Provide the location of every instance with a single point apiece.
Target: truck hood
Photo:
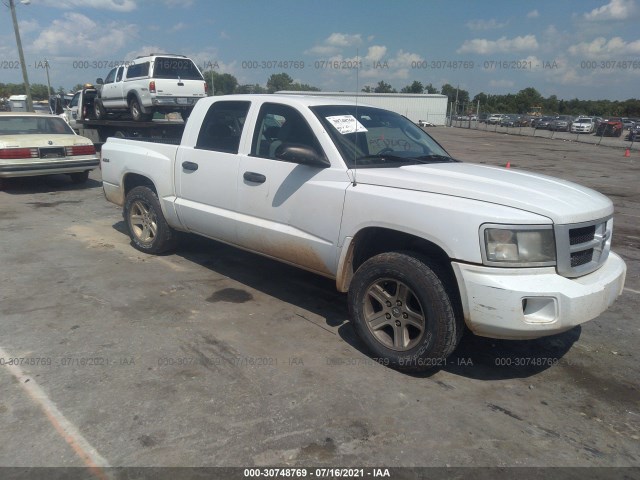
(562, 201)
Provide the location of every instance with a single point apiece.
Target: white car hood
(562, 201)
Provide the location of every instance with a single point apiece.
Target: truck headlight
(518, 246)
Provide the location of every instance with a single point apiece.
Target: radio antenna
(355, 138)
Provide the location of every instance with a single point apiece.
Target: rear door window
(138, 70)
(222, 127)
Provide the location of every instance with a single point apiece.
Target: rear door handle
(190, 166)
(254, 177)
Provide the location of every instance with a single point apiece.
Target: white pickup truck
(422, 243)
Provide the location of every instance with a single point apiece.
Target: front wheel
(404, 311)
(148, 229)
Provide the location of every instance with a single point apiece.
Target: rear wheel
(148, 229)
(98, 110)
(136, 111)
(405, 311)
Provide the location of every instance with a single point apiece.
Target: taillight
(80, 150)
(152, 86)
(206, 87)
(13, 153)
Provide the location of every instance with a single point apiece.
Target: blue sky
(564, 48)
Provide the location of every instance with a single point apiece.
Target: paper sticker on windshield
(346, 124)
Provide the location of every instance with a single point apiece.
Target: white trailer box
(430, 108)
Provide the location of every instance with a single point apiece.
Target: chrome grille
(583, 247)
(582, 257)
(581, 235)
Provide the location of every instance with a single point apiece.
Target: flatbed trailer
(80, 115)
(99, 130)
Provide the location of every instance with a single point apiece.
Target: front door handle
(254, 177)
(190, 166)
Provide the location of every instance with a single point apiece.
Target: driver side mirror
(302, 154)
(99, 81)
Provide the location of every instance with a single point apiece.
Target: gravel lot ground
(216, 357)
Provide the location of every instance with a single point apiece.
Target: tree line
(38, 91)
(524, 101)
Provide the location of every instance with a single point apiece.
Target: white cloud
(614, 10)
(405, 59)
(117, 5)
(322, 50)
(343, 40)
(27, 26)
(533, 14)
(75, 34)
(178, 26)
(335, 43)
(480, 24)
(376, 53)
(502, 45)
(601, 47)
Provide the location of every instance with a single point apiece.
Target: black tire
(148, 229)
(79, 177)
(98, 110)
(136, 111)
(419, 290)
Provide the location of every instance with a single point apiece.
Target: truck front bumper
(518, 303)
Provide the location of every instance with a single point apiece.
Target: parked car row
(613, 126)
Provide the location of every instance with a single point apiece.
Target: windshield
(372, 137)
(33, 125)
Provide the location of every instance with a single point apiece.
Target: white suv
(154, 83)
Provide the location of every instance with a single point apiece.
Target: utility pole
(25, 77)
(46, 66)
(457, 88)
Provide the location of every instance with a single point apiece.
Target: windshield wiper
(384, 157)
(435, 159)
